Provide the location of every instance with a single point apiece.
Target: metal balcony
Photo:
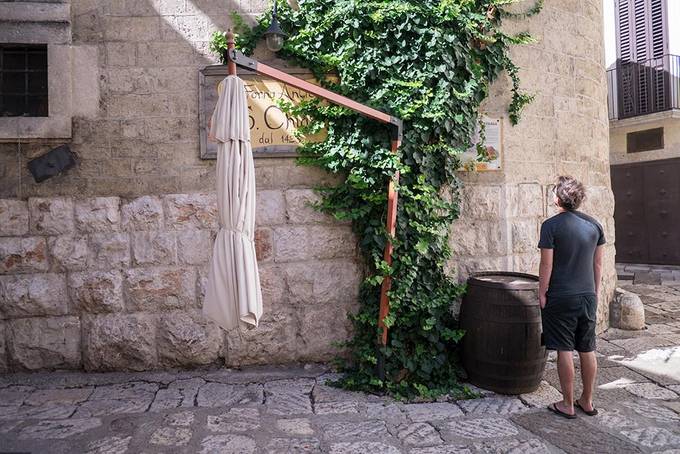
(642, 88)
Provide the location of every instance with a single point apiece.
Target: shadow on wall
(144, 137)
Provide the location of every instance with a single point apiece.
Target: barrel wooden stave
(502, 348)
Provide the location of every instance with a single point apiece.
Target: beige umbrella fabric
(233, 293)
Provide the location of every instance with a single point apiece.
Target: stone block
(202, 284)
(32, 295)
(474, 265)
(313, 242)
(190, 211)
(120, 342)
(226, 395)
(300, 210)
(525, 235)
(651, 391)
(187, 339)
(57, 429)
(270, 208)
(321, 328)
(481, 202)
(273, 342)
(4, 363)
(153, 248)
(492, 406)
(418, 434)
(191, 28)
(98, 214)
(96, 291)
(626, 311)
(526, 263)
(525, 200)
(68, 396)
(326, 283)
(646, 278)
(432, 411)
(154, 289)
(109, 250)
(142, 213)
(264, 176)
(476, 237)
(288, 175)
(44, 343)
(51, 216)
(545, 395)
(194, 247)
(128, 8)
(151, 55)
(231, 443)
(131, 28)
(273, 286)
(599, 202)
(23, 255)
(68, 252)
(13, 217)
(264, 245)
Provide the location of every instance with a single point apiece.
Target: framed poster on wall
(490, 156)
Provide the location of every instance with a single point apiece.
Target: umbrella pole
(231, 45)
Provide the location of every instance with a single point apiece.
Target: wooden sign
(272, 132)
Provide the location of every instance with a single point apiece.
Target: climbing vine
(429, 62)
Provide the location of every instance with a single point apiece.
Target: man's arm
(597, 267)
(544, 273)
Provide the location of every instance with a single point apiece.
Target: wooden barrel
(501, 317)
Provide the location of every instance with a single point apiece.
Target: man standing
(569, 281)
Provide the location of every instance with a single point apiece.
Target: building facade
(103, 266)
(643, 77)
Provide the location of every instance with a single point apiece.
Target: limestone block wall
(106, 283)
(564, 131)
(103, 267)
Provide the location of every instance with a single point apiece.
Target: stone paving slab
(573, 435)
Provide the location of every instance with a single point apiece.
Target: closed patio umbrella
(233, 293)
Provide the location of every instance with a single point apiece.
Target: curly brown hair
(570, 192)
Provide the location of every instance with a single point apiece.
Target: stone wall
(564, 131)
(102, 267)
(669, 121)
(107, 283)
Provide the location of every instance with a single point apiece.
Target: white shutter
(641, 46)
(657, 29)
(624, 47)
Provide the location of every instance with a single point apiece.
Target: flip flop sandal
(592, 412)
(553, 408)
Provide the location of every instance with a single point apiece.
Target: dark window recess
(649, 139)
(23, 80)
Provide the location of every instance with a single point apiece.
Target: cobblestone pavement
(281, 410)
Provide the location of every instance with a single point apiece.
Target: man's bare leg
(588, 374)
(565, 370)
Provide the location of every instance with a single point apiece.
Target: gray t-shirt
(573, 236)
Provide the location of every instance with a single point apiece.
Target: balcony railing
(642, 88)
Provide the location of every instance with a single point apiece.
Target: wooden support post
(391, 226)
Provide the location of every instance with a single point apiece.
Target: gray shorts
(569, 323)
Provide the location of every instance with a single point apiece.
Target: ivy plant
(430, 63)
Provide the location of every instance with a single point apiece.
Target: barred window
(23, 80)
